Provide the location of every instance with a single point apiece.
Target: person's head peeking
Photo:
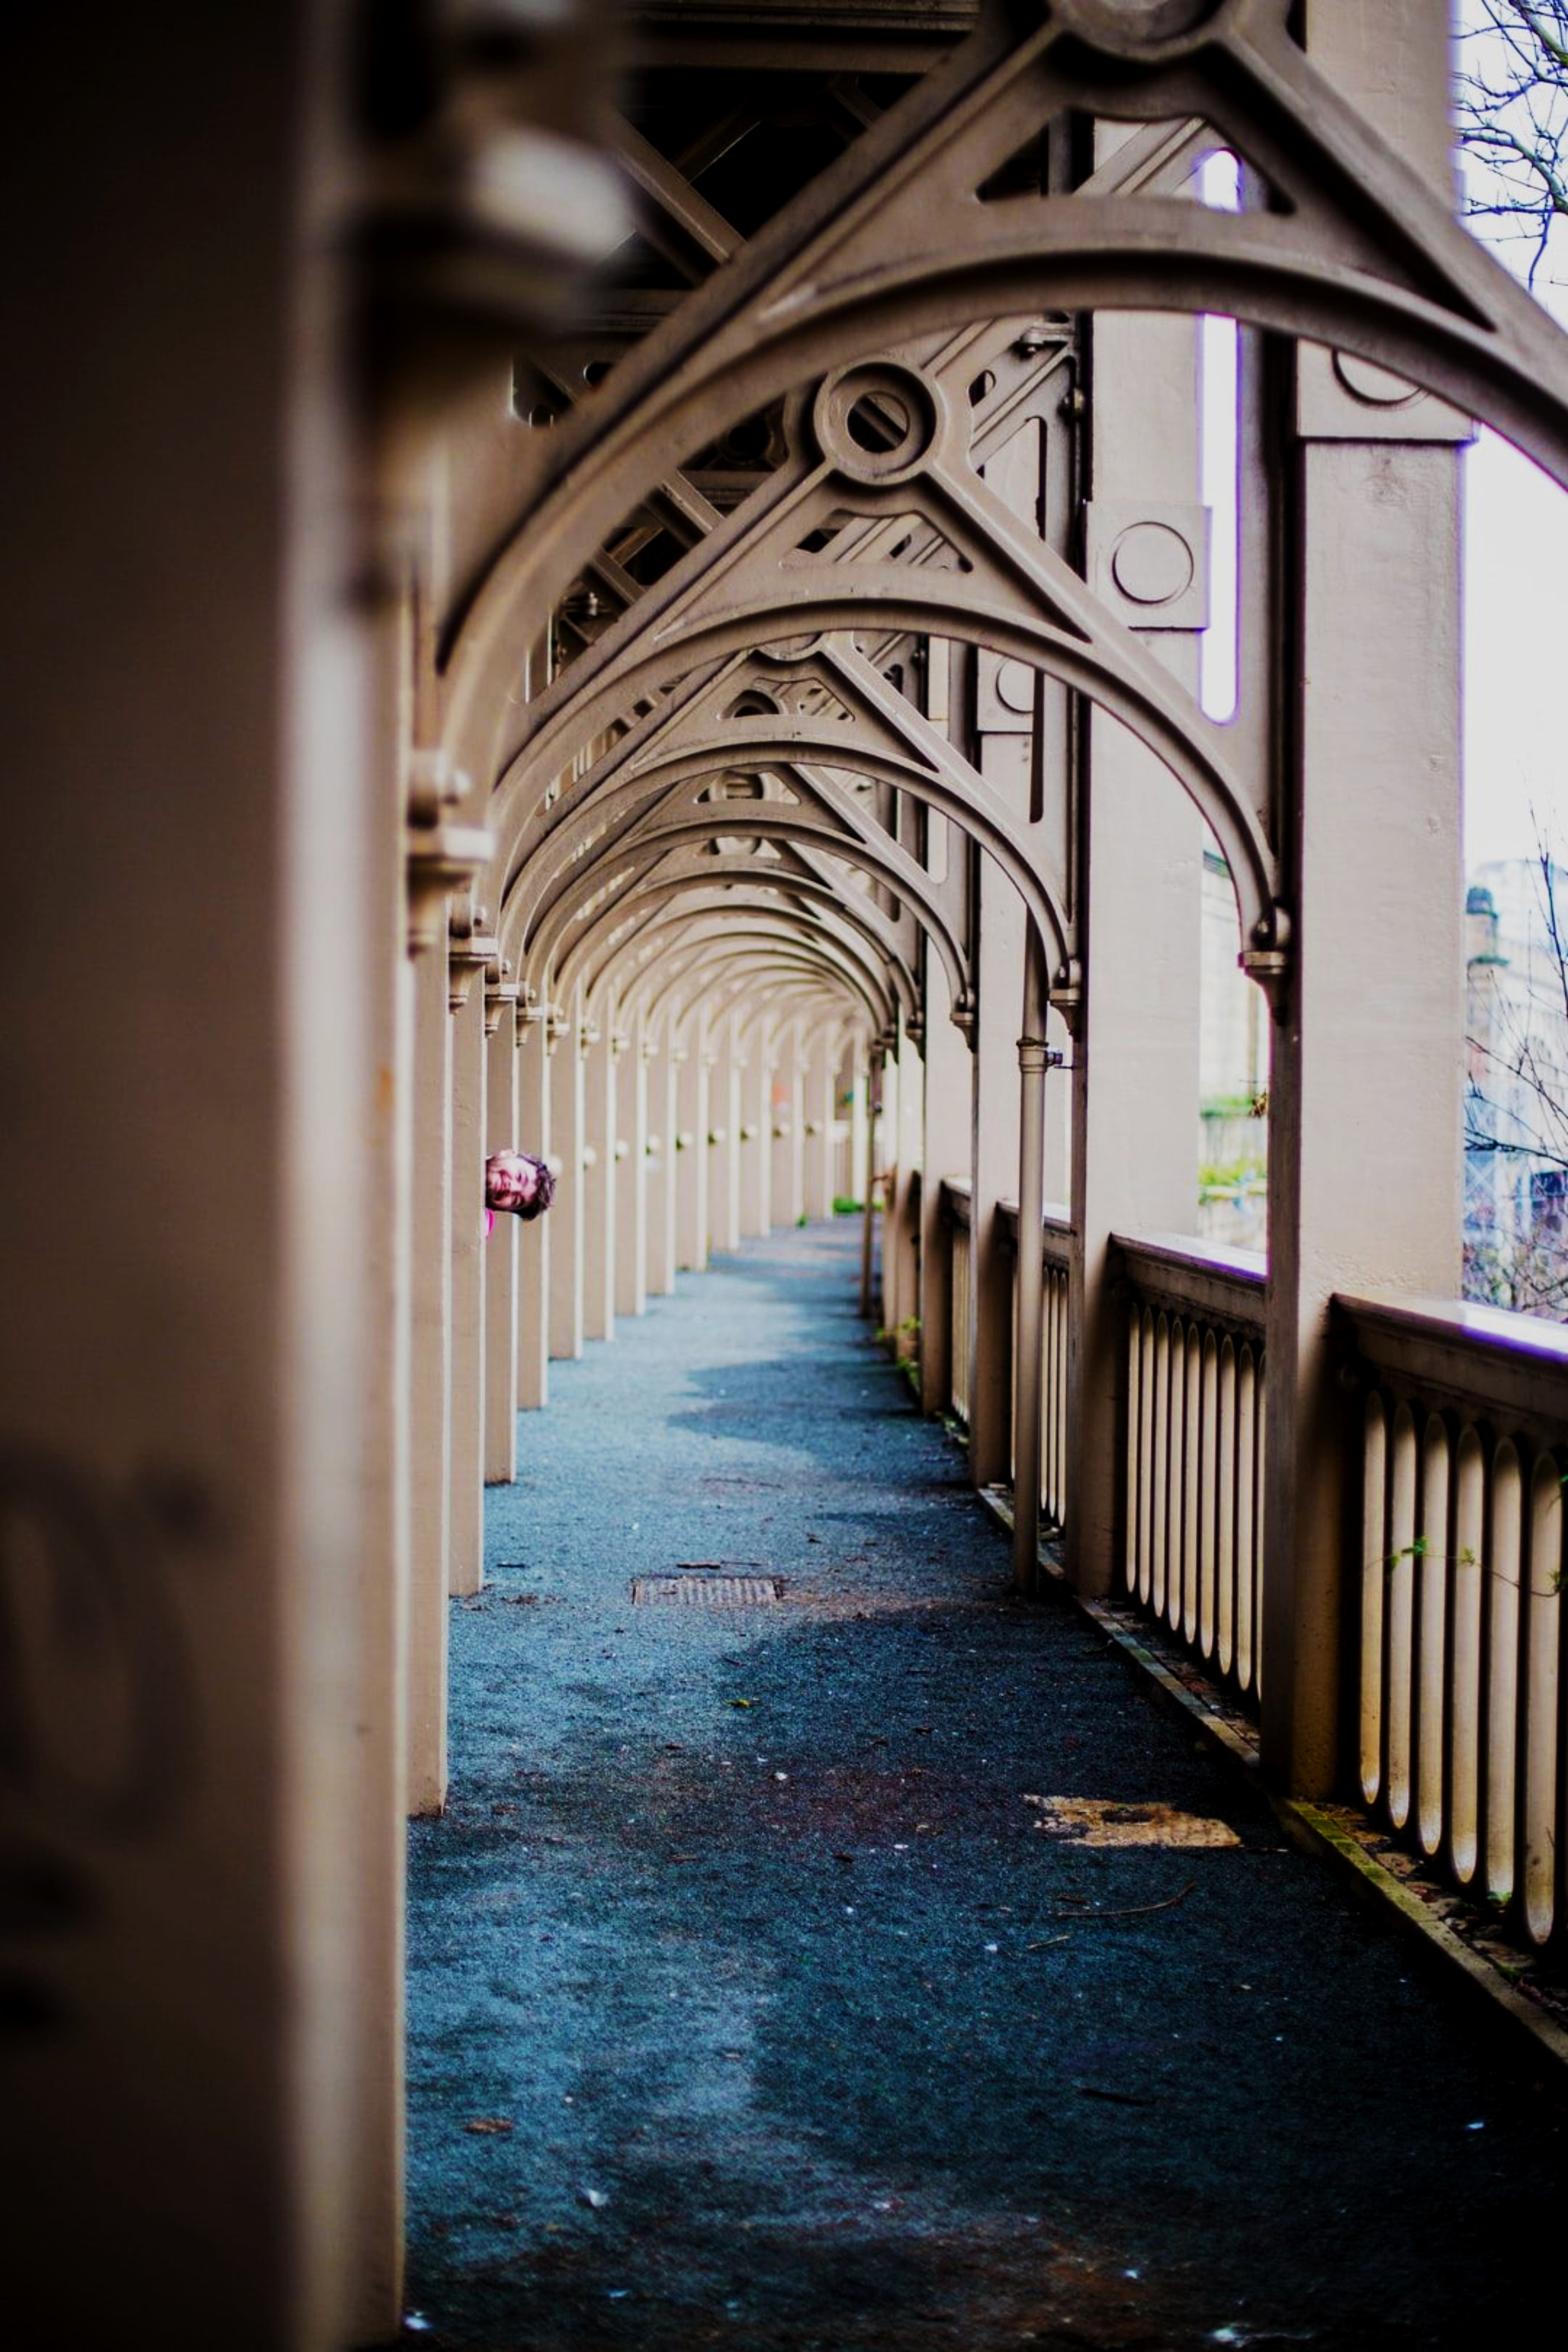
(518, 1183)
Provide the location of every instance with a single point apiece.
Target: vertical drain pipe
(1034, 1058)
(868, 1222)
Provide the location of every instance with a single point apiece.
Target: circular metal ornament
(1152, 32)
(877, 423)
(1373, 386)
(1152, 564)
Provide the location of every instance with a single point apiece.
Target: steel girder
(753, 580)
(896, 242)
(670, 861)
(829, 707)
(680, 864)
(765, 939)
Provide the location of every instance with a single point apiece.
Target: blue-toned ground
(750, 2006)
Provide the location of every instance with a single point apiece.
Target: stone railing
(1457, 1593)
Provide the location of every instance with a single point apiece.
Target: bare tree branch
(1516, 1108)
(1511, 113)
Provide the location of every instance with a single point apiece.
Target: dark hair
(543, 1189)
(544, 1181)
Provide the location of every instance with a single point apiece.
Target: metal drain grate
(706, 1591)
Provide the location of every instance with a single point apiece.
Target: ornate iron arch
(756, 578)
(1360, 254)
(845, 977)
(653, 886)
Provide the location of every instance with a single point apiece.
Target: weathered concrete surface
(858, 2056)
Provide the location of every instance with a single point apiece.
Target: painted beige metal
(1136, 1052)
(264, 1891)
(534, 1245)
(691, 1162)
(946, 1082)
(787, 1111)
(431, 1346)
(995, 1131)
(199, 860)
(632, 1094)
(466, 1540)
(1457, 1586)
(1376, 792)
(568, 1105)
(599, 1181)
(501, 1251)
(1195, 1450)
(664, 1126)
(961, 1306)
(1056, 1474)
(1029, 1299)
(861, 262)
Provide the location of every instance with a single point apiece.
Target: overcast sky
(1515, 654)
(1515, 589)
(1515, 632)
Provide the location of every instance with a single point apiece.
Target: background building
(1516, 1092)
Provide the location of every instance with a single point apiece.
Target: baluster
(1210, 1481)
(1175, 1459)
(1260, 1481)
(1135, 1410)
(1464, 1689)
(1145, 1451)
(1505, 1564)
(1374, 1581)
(1228, 1472)
(1399, 1573)
(1246, 1502)
(1538, 1728)
(1191, 1482)
(1154, 1592)
(1431, 1565)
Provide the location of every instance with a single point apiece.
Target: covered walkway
(660, 582)
(755, 1998)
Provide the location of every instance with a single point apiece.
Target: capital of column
(434, 783)
(1270, 968)
(470, 947)
(440, 858)
(531, 1011)
(500, 993)
(1266, 958)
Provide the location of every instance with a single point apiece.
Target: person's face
(510, 1184)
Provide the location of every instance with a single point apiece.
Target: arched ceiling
(753, 492)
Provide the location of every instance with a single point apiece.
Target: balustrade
(1458, 1592)
(1193, 1450)
(1454, 1596)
